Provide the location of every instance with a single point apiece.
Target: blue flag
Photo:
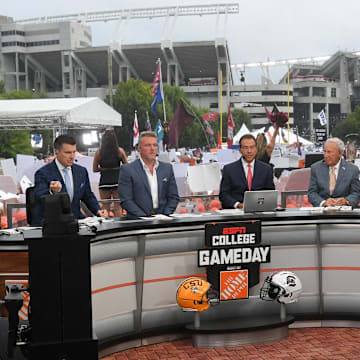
(158, 98)
(159, 131)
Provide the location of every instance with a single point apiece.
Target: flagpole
(162, 89)
(288, 101)
(220, 107)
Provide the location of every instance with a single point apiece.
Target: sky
(262, 31)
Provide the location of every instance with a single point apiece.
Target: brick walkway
(302, 344)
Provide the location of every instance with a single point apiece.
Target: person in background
(147, 186)
(62, 175)
(107, 161)
(334, 181)
(264, 149)
(243, 175)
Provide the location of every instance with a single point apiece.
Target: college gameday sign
(232, 257)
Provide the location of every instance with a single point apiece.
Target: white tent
(289, 135)
(62, 113)
(243, 130)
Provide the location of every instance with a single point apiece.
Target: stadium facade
(59, 59)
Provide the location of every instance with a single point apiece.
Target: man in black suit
(243, 175)
(62, 175)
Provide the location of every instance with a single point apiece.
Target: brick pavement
(302, 344)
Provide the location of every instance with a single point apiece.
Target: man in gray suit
(147, 186)
(334, 181)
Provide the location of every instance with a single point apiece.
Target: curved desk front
(137, 266)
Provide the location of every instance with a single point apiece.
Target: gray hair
(340, 144)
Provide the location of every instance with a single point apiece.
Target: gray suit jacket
(347, 183)
(135, 193)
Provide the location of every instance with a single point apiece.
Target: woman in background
(264, 149)
(107, 161)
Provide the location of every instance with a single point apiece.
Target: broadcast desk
(137, 266)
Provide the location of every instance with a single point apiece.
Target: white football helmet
(284, 286)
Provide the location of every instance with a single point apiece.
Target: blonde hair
(261, 145)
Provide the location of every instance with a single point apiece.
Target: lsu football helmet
(283, 286)
(195, 294)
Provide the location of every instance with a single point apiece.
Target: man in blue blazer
(62, 175)
(147, 186)
(244, 175)
(344, 188)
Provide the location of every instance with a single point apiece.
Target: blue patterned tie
(68, 183)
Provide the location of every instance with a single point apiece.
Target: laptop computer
(264, 200)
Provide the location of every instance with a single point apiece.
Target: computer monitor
(264, 200)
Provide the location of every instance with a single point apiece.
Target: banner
(136, 130)
(178, 123)
(322, 118)
(210, 116)
(230, 129)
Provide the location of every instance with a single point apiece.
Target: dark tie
(68, 183)
(249, 177)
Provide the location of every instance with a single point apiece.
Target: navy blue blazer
(234, 184)
(82, 190)
(135, 193)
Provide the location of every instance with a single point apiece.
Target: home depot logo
(234, 285)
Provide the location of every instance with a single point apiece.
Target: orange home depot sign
(234, 285)
(232, 255)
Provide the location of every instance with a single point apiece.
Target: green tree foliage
(130, 96)
(15, 142)
(349, 126)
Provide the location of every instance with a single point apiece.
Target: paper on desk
(231, 211)
(156, 217)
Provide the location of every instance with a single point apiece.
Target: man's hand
(336, 202)
(341, 202)
(55, 186)
(103, 213)
(239, 206)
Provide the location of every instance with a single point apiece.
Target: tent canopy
(75, 113)
(243, 130)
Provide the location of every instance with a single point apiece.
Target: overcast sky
(278, 29)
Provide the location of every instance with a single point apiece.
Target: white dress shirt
(152, 180)
(61, 168)
(245, 167)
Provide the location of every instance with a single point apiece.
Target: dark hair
(247, 136)
(109, 144)
(63, 139)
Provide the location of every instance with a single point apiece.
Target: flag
(210, 116)
(148, 123)
(178, 123)
(156, 91)
(230, 129)
(158, 98)
(208, 128)
(298, 143)
(136, 131)
(159, 131)
(157, 79)
(322, 118)
(219, 141)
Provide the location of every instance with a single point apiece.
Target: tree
(348, 126)
(130, 96)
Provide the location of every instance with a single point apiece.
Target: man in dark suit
(62, 175)
(334, 181)
(147, 186)
(243, 175)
